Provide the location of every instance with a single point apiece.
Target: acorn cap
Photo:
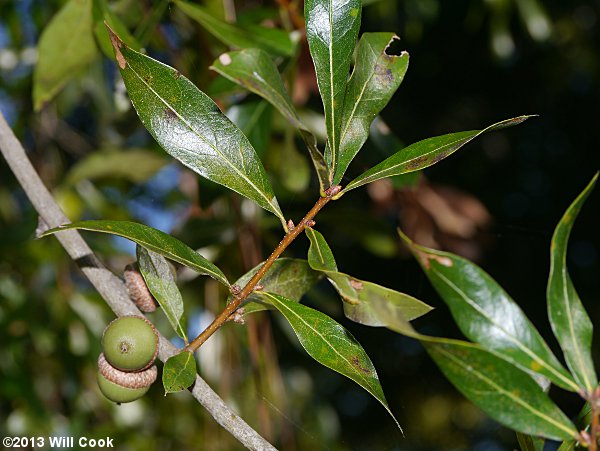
(140, 379)
(138, 289)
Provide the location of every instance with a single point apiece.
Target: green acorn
(120, 386)
(130, 343)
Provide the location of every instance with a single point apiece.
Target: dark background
(464, 74)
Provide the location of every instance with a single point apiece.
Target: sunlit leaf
(255, 70)
(151, 239)
(570, 322)
(376, 77)
(359, 295)
(500, 389)
(161, 282)
(179, 372)
(288, 277)
(330, 344)
(191, 128)
(117, 164)
(66, 46)
(331, 30)
(272, 40)
(486, 314)
(424, 153)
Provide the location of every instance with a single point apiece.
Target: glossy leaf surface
(375, 78)
(192, 129)
(255, 70)
(331, 30)
(500, 389)
(359, 295)
(161, 282)
(486, 314)
(424, 153)
(330, 344)
(288, 277)
(570, 322)
(151, 239)
(66, 46)
(272, 40)
(179, 372)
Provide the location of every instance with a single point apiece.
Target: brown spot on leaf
(417, 162)
(356, 284)
(176, 75)
(356, 364)
(426, 258)
(169, 113)
(117, 44)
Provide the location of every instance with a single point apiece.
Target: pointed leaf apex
(117, 43)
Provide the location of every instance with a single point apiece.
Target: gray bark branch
(110, 287)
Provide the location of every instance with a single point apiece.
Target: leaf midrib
(512, 338)
(500, 389)
(241, 174)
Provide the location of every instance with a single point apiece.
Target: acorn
(137, 288)
(120, 386)
(130, 343)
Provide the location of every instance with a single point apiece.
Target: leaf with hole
(330, 344)
(179, 372)
(424, 153)
(569, 320)
(359, 295)
(153, 240)
(160, 279)
(255, 70)
(376, 76)
(191, 128)
(486, 314)
(331, 30)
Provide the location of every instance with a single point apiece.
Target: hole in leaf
(394, 48)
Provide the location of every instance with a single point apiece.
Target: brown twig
(595, 425)
(249, 288)
(110, 287)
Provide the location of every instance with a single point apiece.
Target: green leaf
(179, 372)
(330, 344)
(272, 40)
(191, 128)
(102, 14)
(288, 277)
(255, 70)
(254, 120)
(114, 163)
(568, 318)
(161, 282)
(486, 314)
(66, 46)
(530, 443)
(359, 295)
(331, 30)
(376, 77)
(153, 240)
(423, 154)
(503, 391)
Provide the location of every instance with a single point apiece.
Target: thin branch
(110, 287)
(250, 286)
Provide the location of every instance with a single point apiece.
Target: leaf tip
(117, 43)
